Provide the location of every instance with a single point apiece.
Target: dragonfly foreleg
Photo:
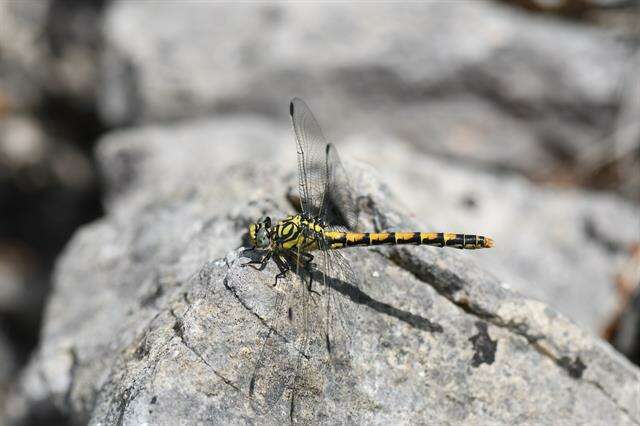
(305, 259)
(262, 262)
(282, 266)
(304, 266)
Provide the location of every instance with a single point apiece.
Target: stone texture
(625, 329)
(565, 240)
(23, 54)
(627, 339)
(474, 80)
(49, 49)
(7, 366)
(168, 327)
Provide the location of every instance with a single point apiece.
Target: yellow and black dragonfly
(326, 224)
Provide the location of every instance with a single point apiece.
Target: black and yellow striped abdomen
(298, 233)
(337, 240)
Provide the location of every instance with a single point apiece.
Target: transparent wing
(342, 302)
(283, 349)
(339, 206)
(266, 388)
(311, 147)
(324, 187)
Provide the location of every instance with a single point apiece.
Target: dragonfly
(312, 242)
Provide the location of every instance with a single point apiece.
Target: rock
(169, 327)
(627, 338)
(46, 188)
(518, 92)
(23, 54)
(46, 184)
(574, 8)
(23, 145)
(75, 42)
(566, 241)
(624, 331)
(20, 292)
(7, 369)
(49, 50)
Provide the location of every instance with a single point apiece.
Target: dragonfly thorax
(298, 233)
(295, 232)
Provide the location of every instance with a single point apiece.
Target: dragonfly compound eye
(262, 238)
(265, 221)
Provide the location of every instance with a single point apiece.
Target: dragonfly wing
(311, 148)
(283, 348)
(342, 302)
(323, 183)
(339, 207)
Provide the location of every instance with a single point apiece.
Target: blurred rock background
(520, 116)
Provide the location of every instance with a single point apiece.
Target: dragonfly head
(260, 233)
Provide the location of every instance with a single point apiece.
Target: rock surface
(49, 48)
(474, 80)
(153, 320)
(566, 241)
(628, 337)
(23, 54)
(7, 366)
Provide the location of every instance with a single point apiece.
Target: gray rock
(627, 338)
(23, 56)
(566, 241)
(23, 145)
(518, 91)
(36, 167)
(152, 319)
(45, 183)
(74, 40)
(625, 328)
(7, 370)
(49, 48)
(20, 291)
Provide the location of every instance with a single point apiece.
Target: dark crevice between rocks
(611, 398)
(125, 399)
(178, 328)
(574, 10)
(575, 367)
(484, 348)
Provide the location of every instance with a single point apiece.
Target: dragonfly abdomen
(339, 240)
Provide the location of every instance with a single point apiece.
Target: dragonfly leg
(262, 262)
(247, 250)
(309, 287)
(282, 266)
(305, 260)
